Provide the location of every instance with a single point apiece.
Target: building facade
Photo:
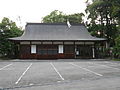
(56, 41)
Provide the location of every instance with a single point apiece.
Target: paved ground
(60, 75)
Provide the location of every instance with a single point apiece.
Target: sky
(23, 11)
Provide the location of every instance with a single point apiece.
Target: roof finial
(68, 23)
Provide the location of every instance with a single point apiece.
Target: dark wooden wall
(46, 52)
(51, 52)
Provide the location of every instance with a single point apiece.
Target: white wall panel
(33, 48)
(60, 48)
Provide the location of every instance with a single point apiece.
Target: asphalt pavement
(60, 75)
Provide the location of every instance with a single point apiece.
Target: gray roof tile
(44, 31)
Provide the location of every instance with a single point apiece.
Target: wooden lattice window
(47, 49)
(69, 49)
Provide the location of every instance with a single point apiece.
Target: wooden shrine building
(56, 41)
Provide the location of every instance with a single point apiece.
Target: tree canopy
(8, 29)
(104, 16)
(116, 49)
(59, 17)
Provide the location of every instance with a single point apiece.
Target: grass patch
(5, 58)
(116, 59)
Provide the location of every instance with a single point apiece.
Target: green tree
(116, 49)
(116, 10)
(101, 16)
(59, 17)
(54, 17)
(8, 29)
(76, 18)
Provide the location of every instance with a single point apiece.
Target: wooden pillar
(75, 48)
(106, 43)
(93, 50)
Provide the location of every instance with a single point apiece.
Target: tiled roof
(48, 31)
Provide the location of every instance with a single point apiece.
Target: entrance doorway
(84, 51)
(47, 51)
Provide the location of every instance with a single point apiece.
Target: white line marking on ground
(23, 74)
(86, 69)
(106, 66)
(5, 66)
(57, 71)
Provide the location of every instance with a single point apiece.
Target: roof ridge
(32, 23)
